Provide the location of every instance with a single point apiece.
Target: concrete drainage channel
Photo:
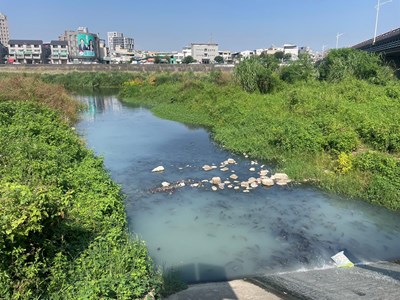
(376, 281)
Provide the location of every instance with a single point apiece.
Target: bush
(253, 75)
(340, 64)
(62, 222)
(298, 70)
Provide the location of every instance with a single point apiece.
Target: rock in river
(216, 180)
(158, 169)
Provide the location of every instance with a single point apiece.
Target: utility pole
(378, 6)
(337, 39)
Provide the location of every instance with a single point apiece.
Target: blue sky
(234, 25)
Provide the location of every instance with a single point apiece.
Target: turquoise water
(209, 236)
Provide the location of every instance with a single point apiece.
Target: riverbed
(211, 236)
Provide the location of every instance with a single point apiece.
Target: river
(211, 236)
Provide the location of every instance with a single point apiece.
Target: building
(59, 52)
(25, 51)
(104, 52)
(3, 53)
(117, 39)
(272, 50)
(204, 53)
(226, 55)
(247, 53)
(114, 38)
(187, 51)
(4, 32)
(293, 50)
(83, 46)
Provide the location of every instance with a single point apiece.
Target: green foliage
(74, 80)
(253, 75)
(384, 187)
(62, 220)
(188, 60)
(23, 88)
(279, 55)
(343, 63)
(219, 59)
(298, 70)
(344, 163)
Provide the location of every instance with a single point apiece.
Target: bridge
(388, 44)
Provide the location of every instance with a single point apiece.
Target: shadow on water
(213, 236)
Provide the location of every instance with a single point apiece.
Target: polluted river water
(211, 236)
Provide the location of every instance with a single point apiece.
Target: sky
(235, 25)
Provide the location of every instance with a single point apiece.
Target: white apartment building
(117, 39)
(26, 51)
(293, 50)
(247, 53)
(4, 32)
(59, 52)
(187, 51)
(226, 55)
(204, 53)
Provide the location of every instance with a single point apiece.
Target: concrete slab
(230, 290)
(375, 281)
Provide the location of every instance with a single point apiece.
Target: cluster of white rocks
(232, 181)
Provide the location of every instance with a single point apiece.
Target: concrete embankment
(377, 281)
(196, 68)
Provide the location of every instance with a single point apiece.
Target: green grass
(63, 230)
(302, 128)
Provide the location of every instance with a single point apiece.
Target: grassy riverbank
(340, 132)
(63, 231)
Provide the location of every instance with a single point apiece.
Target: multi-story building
(83, 46)
(4, 32)
(117, 39)
(59, 52)
(187, 51)
(3, 53)
(129, 44)
(293, 50)
(114, 38)
(204, 53)
(226, 55)
(25, 51)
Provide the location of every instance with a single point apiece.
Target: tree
(343, 63)
(188, 59)
(219, 59)
(279, 55)
(157, 60)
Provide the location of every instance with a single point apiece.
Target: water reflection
(226, 234)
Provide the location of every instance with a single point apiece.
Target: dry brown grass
(23, 88)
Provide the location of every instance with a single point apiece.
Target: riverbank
(63, 223)
(140, 68)
(341, 136)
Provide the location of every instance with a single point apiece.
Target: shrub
(253, 76)
(343, 63)
(63, 223)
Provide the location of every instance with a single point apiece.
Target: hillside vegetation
(63, 232)
(335, 124)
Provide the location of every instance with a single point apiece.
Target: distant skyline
(234, 25)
